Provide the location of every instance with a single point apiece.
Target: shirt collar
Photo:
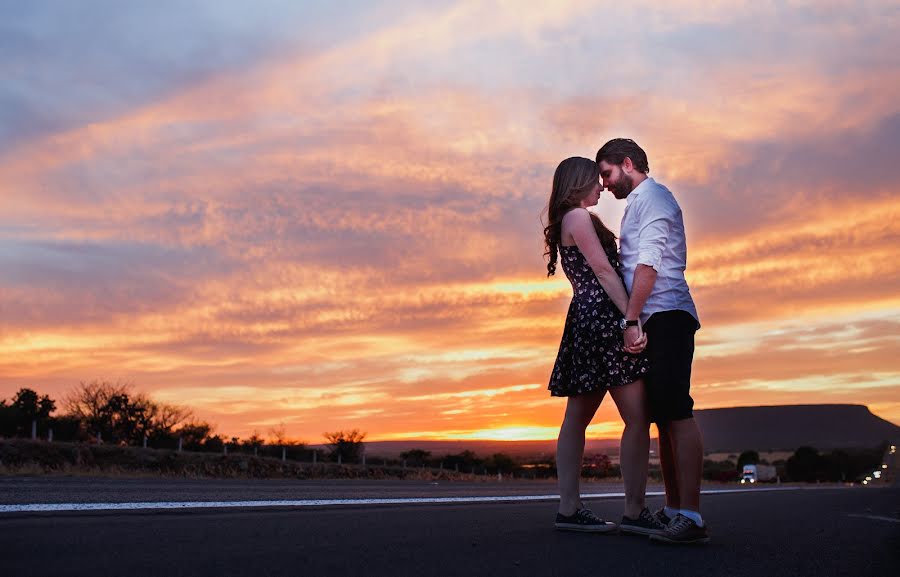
(637, 190)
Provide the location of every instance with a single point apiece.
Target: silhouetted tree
(214, 444)
(7, 420)
(748, 458)
(466, 461)
(294, 449)
(805, 465)
(347, 444)
(851, 464)
(67, 428)
(193, 435)
(416, 457)
(121, 415)
(253, 443)
(721, 471)
(24, 408)
(502, 463)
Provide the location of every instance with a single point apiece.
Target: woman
(591, 355)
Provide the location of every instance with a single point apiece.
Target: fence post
(442, 466)
(255, 451)
(315, 456)
(145, 441)
(283, 454)
(364, 461)
(225, 448)
(456, 467)
(404, 463)
(340, 459)
(179, 444)
(33, 430)
(99, 438)
(50, 436)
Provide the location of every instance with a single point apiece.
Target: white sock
(694, 516)
(670, 512)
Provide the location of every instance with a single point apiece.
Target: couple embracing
(630, 331)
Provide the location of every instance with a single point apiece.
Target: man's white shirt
(652, 234)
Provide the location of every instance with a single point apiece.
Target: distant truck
(757, 474)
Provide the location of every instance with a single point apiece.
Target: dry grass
(25, 457)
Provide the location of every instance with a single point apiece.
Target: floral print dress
(591, 354)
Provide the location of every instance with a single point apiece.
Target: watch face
(622, 324)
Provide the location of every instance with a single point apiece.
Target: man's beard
(623, 187)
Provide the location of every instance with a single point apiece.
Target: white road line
(875, 517)
(58, 507)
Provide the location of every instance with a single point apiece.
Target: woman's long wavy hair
(573, 180)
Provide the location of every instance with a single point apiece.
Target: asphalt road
(95, 490)
(832, 531)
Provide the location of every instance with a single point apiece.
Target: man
(653, 256)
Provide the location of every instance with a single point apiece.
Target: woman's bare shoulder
(577, 214)
(573, 222)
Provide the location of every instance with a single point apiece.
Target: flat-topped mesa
(787, 427)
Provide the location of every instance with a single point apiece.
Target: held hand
(639, 345)
(634, 339)
(630, 336)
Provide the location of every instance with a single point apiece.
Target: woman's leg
(570, 448)
(634, 451)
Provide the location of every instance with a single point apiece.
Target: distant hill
(786, 427)
(735, 429)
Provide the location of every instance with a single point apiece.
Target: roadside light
(868, 478)
(752, 480)
(877, 474)
(865, 482)
(884, 466)
(743, 481)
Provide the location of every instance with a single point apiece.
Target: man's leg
(673, 364)
(667, 464)
(687, 448)
(671, 350)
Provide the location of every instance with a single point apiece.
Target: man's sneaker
(645, 524)
(662, 517)
(682, 531)
(583, 520)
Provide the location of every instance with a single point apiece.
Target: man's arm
(644, 278)
(656, 220)
(641, 287)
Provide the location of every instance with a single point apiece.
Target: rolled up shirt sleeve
(655, 225)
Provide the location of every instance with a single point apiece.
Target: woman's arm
(577, 224)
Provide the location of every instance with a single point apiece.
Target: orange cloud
(322, 243)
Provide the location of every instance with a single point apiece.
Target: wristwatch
(623, 324)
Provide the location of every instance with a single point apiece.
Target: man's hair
(615, 151)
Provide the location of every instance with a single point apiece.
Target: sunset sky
(327, 215)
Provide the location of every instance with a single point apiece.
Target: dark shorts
(670, 348)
